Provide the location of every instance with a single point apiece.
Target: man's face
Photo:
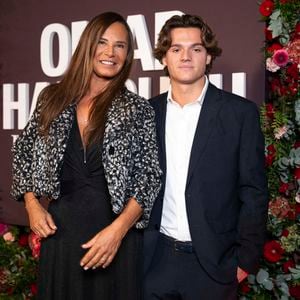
(186, 59)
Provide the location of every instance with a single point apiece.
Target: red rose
(275, 85)
(291, 215)
(273, 251)
(271, 149)
(33, 289)
(269, 160)
(297, 173)
(288, 264)
(297, 144)
(294, 88)
(270, 110)
(292, 71)
(274, 47)
(10, 291)
(284, 1)
(283, 187)
(297, 209)
(35, 244)
(297, 30)
(271, 154)
(266, 8)
(23, 240)
(295, 291)
(285, 232)
(244, 287)
(268, 34)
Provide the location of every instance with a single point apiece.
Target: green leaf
(262, 276)
(268, 285)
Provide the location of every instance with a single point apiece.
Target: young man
(207, 226)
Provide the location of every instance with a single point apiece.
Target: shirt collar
(199, 99)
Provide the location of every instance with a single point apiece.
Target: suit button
(156, 226)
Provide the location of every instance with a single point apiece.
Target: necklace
(80, 118)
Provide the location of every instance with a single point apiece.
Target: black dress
(82, 211)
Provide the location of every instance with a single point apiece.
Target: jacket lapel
(211, 105)
(161, 129)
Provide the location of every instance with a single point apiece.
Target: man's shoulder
(234, 100)
(154, 101)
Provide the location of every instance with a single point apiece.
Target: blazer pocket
(223, 226)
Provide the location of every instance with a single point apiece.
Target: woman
(90, 148)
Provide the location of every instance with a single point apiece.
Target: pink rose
(279, 207)
(280, 57)
(8, 237)
(280, 132)
(271, 66)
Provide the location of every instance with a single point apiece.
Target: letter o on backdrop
(64, 49)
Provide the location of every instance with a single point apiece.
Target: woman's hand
(40, 221)
(102, 247)
(105, 244)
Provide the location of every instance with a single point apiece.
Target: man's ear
(208, 59)
(163, 61)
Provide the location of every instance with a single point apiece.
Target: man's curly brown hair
(187, 21)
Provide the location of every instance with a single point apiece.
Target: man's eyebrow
(180, 45)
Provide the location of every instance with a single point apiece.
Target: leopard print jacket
(130, 156)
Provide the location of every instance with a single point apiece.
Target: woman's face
(111, 52)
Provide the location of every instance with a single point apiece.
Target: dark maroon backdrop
(235, 23)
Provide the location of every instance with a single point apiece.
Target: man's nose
(185, 55)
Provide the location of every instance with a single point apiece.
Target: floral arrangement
(279, 273)
(19, 252)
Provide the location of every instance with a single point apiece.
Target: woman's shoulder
(134, 98)
(135, 103)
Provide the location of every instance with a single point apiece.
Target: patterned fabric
(130, 156)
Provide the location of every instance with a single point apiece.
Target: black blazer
(226, 189)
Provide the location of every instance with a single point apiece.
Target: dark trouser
(176, 274)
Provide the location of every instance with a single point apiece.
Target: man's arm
(252, 192)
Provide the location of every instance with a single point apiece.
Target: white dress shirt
(181, 123)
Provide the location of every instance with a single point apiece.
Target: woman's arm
(105, 244)
(23, 151)
(40, 221)
(145, 179)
